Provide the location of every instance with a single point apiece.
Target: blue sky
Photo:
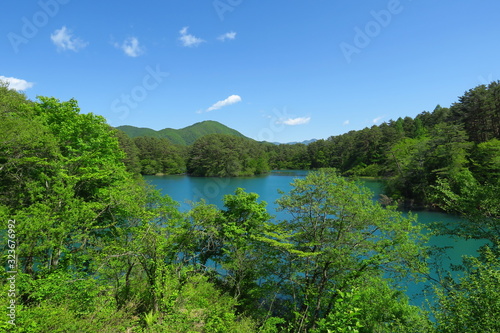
(281, 70)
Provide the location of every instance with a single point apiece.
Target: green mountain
(183, 136)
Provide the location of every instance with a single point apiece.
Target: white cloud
(228, 35)
(16, 84)
(295, 121)
(189, 40)
(228, 101)
(347, 122)
(64, 40)
(131, 47)
(376, 120)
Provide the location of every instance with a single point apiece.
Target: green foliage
(486, 161)
(319, 154)
(338, 237)
(384, 308)
(478, 203)
(65, 181)
(289, 156)
(226, 156)
(131, 159)
(61, 301)
(190, 303)
(244, 220)
(473, 303)
(49, 317)
(11, 101)
(271, 325)
(479, 111)
(437, 116)
(229, 239)
(345, 316)
(159, 156)
(418, 163)
(362, 170)
(407, 159)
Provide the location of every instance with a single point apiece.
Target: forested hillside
(184, 136)
(89, 247)
(451, 145)
(226, 156)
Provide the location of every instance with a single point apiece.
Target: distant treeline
(447, 144)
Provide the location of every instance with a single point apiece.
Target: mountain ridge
(183, 136)
(188, 135)
(305, 142)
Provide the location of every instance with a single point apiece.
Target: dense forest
(89, 247)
